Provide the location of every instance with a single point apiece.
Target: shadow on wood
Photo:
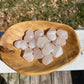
(2, 80)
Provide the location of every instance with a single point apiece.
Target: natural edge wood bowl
(11, 55)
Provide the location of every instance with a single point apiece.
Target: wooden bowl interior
(11, 56)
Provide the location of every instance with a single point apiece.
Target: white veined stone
(28, 55)
(47, 49)
(38, 33)
(47, 59)
(32, 43)
(42, 41)
(51, 34)
(21, 44)
(62, 34)
(59, 42)
(38, 53)
(29, 36)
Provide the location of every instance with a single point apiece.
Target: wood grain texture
(2, 80)
(46, 79)
(57, 77)
(13, 78)
(11, 56)
(25, 79)
(6, 77)
(35, 80)
(66, 77)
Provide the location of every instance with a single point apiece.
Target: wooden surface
(57, 77)
(76, 65)
(71, 49)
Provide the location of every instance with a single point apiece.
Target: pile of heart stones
(38, 45)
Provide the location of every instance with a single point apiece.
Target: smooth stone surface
(51, 34)
(62, 34)
(32, 43)
(39, 33)
(38, 53)
(47, 49)
(29, 35)
(57, 51)
(59, 42)
(28, 55)
(21, 44)
(47, 59)
(42, 41)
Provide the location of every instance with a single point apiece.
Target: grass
(81, 13)
(70, 13)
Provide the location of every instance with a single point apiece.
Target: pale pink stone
(59, 42)
(29, 36)
(39, 33)
(52, 29)
(21, 44)
(28, 55)
(38, 53)
(47, 59)
(28, 50)
(42, 41)
(51, 34)
(47, 49)
(32, 43)
(62, 34)
(57, 51)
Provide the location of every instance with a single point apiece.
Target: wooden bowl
(11, 55)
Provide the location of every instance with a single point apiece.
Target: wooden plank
(56, 77)
(14, 78)
(6, 77)
(61, 77)
(35, 80)
(66, 75)
(25, 79)
(45, 79)
(2, 80)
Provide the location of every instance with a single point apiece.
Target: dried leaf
(15, 20)
(69, 11)
(29, 13)
(65, 1)
(2, 14)
(25, 0)
(54, 3)
(80, 27)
